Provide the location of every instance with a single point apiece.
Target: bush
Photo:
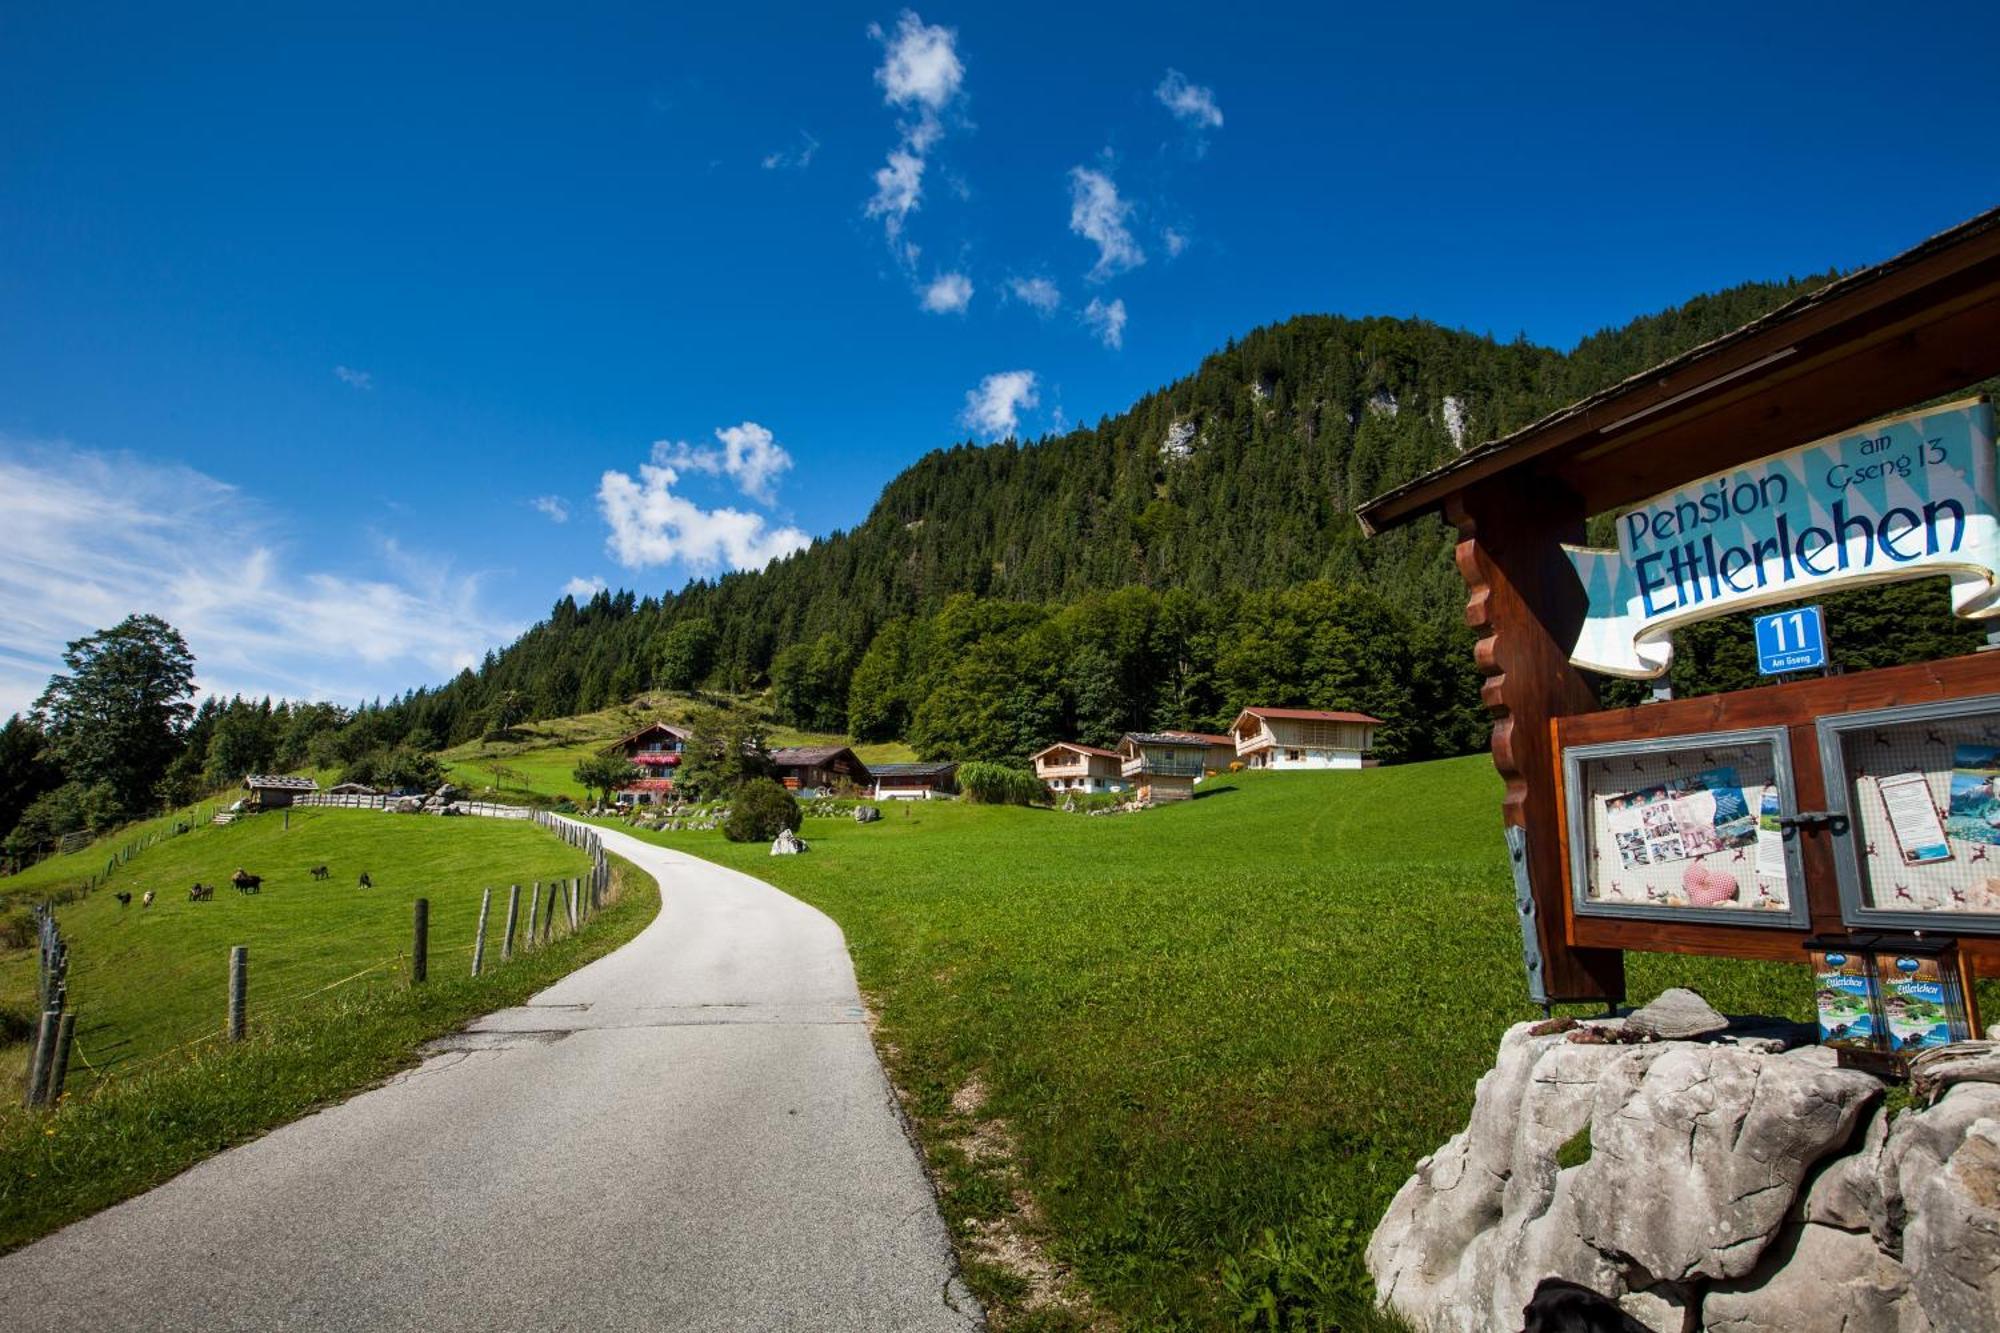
(761, 809)
(997, 784)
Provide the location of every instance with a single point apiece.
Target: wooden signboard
(1744, 824)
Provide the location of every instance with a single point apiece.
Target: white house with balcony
(1070, 766)
(1282, 738)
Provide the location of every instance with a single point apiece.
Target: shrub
(762, 807)
(997, 784)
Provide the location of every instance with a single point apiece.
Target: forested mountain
(1211, 504)
(1158, 570)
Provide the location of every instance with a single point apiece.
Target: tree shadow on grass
(1207, 792)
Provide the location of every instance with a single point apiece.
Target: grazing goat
(320, 872)
(124, 899)
(246, 882)
(201, 893)
(366, 882)
(147, 901)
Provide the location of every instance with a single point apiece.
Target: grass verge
(137, 1131)
(1176, 1063)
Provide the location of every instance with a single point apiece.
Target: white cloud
(1041, 294)
(948, 294)
(650, 525)
(1107, 321)
(554, 506)
(994, 408)
(583, 589)
(1191, 103)
(1097, 214)
(920, 73)
(920, 64)
(750, 456)
(792, 159)
(1175, 241)
(359, 379)
(95, 537)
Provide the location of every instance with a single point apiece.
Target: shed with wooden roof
(810, 768)
(269, 791)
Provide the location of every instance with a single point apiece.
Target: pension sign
(1899, 499)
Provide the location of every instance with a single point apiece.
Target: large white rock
(1724, 1185)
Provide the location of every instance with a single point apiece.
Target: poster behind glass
(1689, 826)
(1922, 789)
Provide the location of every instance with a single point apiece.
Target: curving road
(690, 1133)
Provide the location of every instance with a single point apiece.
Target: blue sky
(348, 338)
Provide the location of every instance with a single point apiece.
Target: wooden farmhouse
(914, 782)
(817, 768)
(1219, 752)
(1303, 738)
(656, 751)
(1163, 766)
(269, 791)
(1073, 766)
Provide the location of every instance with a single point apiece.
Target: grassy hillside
(1220, 1034)
(144, 981)
(538, 764)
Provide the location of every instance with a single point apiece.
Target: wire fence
(547, 910)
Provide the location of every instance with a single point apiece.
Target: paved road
(691, 1133)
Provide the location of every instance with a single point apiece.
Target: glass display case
(1693, 828)
(1920, 787)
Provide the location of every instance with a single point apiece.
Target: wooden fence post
(507, 935)
(534, 934)
(65, 1034)
(479, 940)
(239, 990)
(420, 943)
(45, 1050)
(549, 916)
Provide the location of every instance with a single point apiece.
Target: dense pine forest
(1161, 569)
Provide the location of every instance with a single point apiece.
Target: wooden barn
(1303, 738)
(269, 791)
(914, 782)
(1074, 766)
(817, 768)
(1164, 765)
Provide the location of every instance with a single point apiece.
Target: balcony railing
(1164, 766)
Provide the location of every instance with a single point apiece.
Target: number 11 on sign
(1791, 641)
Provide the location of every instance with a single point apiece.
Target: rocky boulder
(1730, 1183)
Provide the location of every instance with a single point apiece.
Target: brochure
(1975, 794)
(1846, 995)
(1680, 820)
(1913, 816)
(1770, 838)
(1917, 1003)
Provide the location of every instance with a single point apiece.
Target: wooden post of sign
(1527, 605)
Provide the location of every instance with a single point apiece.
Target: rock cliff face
(1727, 1184)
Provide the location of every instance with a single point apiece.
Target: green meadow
(1221, 1033)
(147, 981)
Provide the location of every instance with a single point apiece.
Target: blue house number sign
(1791, 641)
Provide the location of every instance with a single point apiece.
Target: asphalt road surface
(691, 1133)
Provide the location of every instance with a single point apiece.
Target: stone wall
(1737, 1183)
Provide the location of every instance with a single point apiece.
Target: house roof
(812, 756)
(1786, 378)
(275, 782)
(1168, 738)
(678, 733)
(942, 768)
(354, 789)
(1207, 738)
(1078, 746)
(1305, 715)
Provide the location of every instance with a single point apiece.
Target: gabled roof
(1304, 715)
(1078, 746)
(678, 733)
(813, 756)
(1181, 738)
(1206, 738)
(274, 782)
(941, 768)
